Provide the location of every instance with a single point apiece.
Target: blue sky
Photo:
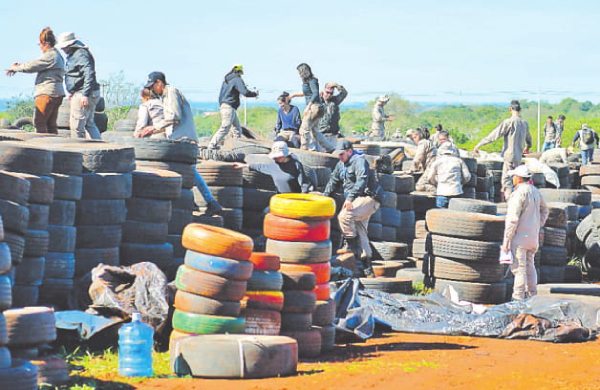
(432, 51)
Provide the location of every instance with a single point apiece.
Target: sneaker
(213, 208)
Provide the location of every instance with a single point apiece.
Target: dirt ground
(417, 361)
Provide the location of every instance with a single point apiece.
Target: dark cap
(341, 146)
(153, 77)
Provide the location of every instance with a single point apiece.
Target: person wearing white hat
(526, 214)
(449, 173)
(82, 86)
(286, 171)
(229, 101)
(379, 118)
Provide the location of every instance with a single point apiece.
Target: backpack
(587, 137)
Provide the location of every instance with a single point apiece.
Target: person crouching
(449, 173)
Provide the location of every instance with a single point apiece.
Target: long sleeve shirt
(50, 69)
(178, 120)
(515, 132)
(526, 214)
(356, 179)
(450, 173)
(424, 155)
(81, 72)
(379, 117)
(330, 122)
(583, 145)
(232, 87)
(150, 113)
(288, 121)
(310, 90)
(287, 176)
(551, 132)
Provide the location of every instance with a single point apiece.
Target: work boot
(354, 247)
(213, 208)
(368, 266)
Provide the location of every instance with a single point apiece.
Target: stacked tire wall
(225, 183)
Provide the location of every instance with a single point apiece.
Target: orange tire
(322, 271)
(266, 300)
(323, 291)
(287, 229)
(265, 261)
(217, 241)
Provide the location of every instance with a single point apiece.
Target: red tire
(286, 229)
(265, 261)
(323, 291)
(322, 271)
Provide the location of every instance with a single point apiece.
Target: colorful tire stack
(298, 230)
(212, 282)
(262, 305)
(225, 183)
(146, 227)
(67, 166)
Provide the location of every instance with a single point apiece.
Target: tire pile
(564, 175)
(551, 257)
(255, 202)
(493, 168)
(464, 254)
(146, 228)
(297, 230)
(485, 184)
(470, 188)
(588, 233)
(590, 176)
(212, 281)
(263, 302)
(64, 118)
(225, 183)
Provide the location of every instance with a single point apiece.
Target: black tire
(62, 212)
(405, 184)
(299, 302)
(229, 197)
(423, 201)
(62, 238)
(488, 293)
(468, 271)
(30, 326)
(324, 313)
(255, 199)
(376, 216)
(387, 182)
(138, 210)
(25, 295)
(585, 228)
(100, 236)
(390, 217)
(161, 149)
(39, 215)
(87, 259)
(5, 260)
(59, 265)
(561, 170)
(463, 249)
(315, 159)
(104, 158)
(41, 188)
(557, 216)
(408, 219)
(298, 281)
(374, 231)
(14, 216)
(471, 163)
(101, 105)
(22, 375)
(255, 179)
(185, 170)
(265, 281)
(30, 271)
(552, 274)
(36, 243)
(100, 212)
(3, 331)
(67, 187)
(16, 243)
(125, 124)
(389, 250)
(160, 255)
(555, 237)
(66, 162)
(472, 206)
(23, 157)
(5, 292)
(156, 184)
(300, 252)
(388, 233)
(220, 174)
(107, 186)
(475, 226)
(389, 200)
(389, 285)
(232, 218)
(145, 232)
(56, 292)
(404, 202)
(14, 188)
(22, 122)
(185, 200)
(180, 219)
(579, 197)
(551, 255)
(262, 322)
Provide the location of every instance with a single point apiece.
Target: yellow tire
(302, 206)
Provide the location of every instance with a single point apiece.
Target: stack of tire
(389, 257)
(485, 184)
(262, 305)
(397, 189)
(176, 156)
(146, 227)
(588, 234)
(67, 168)
(470, 188)
(297, 230)
(582, 198)
(494, 168)
(64, 117)
(255, 202)
(31, 184)
(30, 329)
(590, 176)
(225, 183)
(465, 250)
(564, 174)
(212, 282)
(552, 254)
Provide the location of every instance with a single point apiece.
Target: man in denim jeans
(587, 139)
(82, 86)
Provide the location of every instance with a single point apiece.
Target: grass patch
(420, 289)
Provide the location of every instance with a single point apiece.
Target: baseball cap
(446, 148)
(341, 146)
(521, 171)
(153, 77)
(279, 149)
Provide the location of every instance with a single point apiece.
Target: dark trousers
(46, 112)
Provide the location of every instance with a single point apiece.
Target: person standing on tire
(229, 101)
(363, 196)
(310, 136)
(49, 91)
(587, 139)
(329, 125)
(449, 173)
(287, 172)
(82, 86)
(517, 139)
(526, 214)
(178, 125)
(379, 118)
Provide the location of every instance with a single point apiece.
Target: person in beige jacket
(526, 214)
(379, 118)
(49, 91)
(449, 173)
(517, 138)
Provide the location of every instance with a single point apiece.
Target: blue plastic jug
(135, 348)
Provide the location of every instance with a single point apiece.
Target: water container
(135, 348)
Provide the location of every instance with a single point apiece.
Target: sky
(427, 51)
